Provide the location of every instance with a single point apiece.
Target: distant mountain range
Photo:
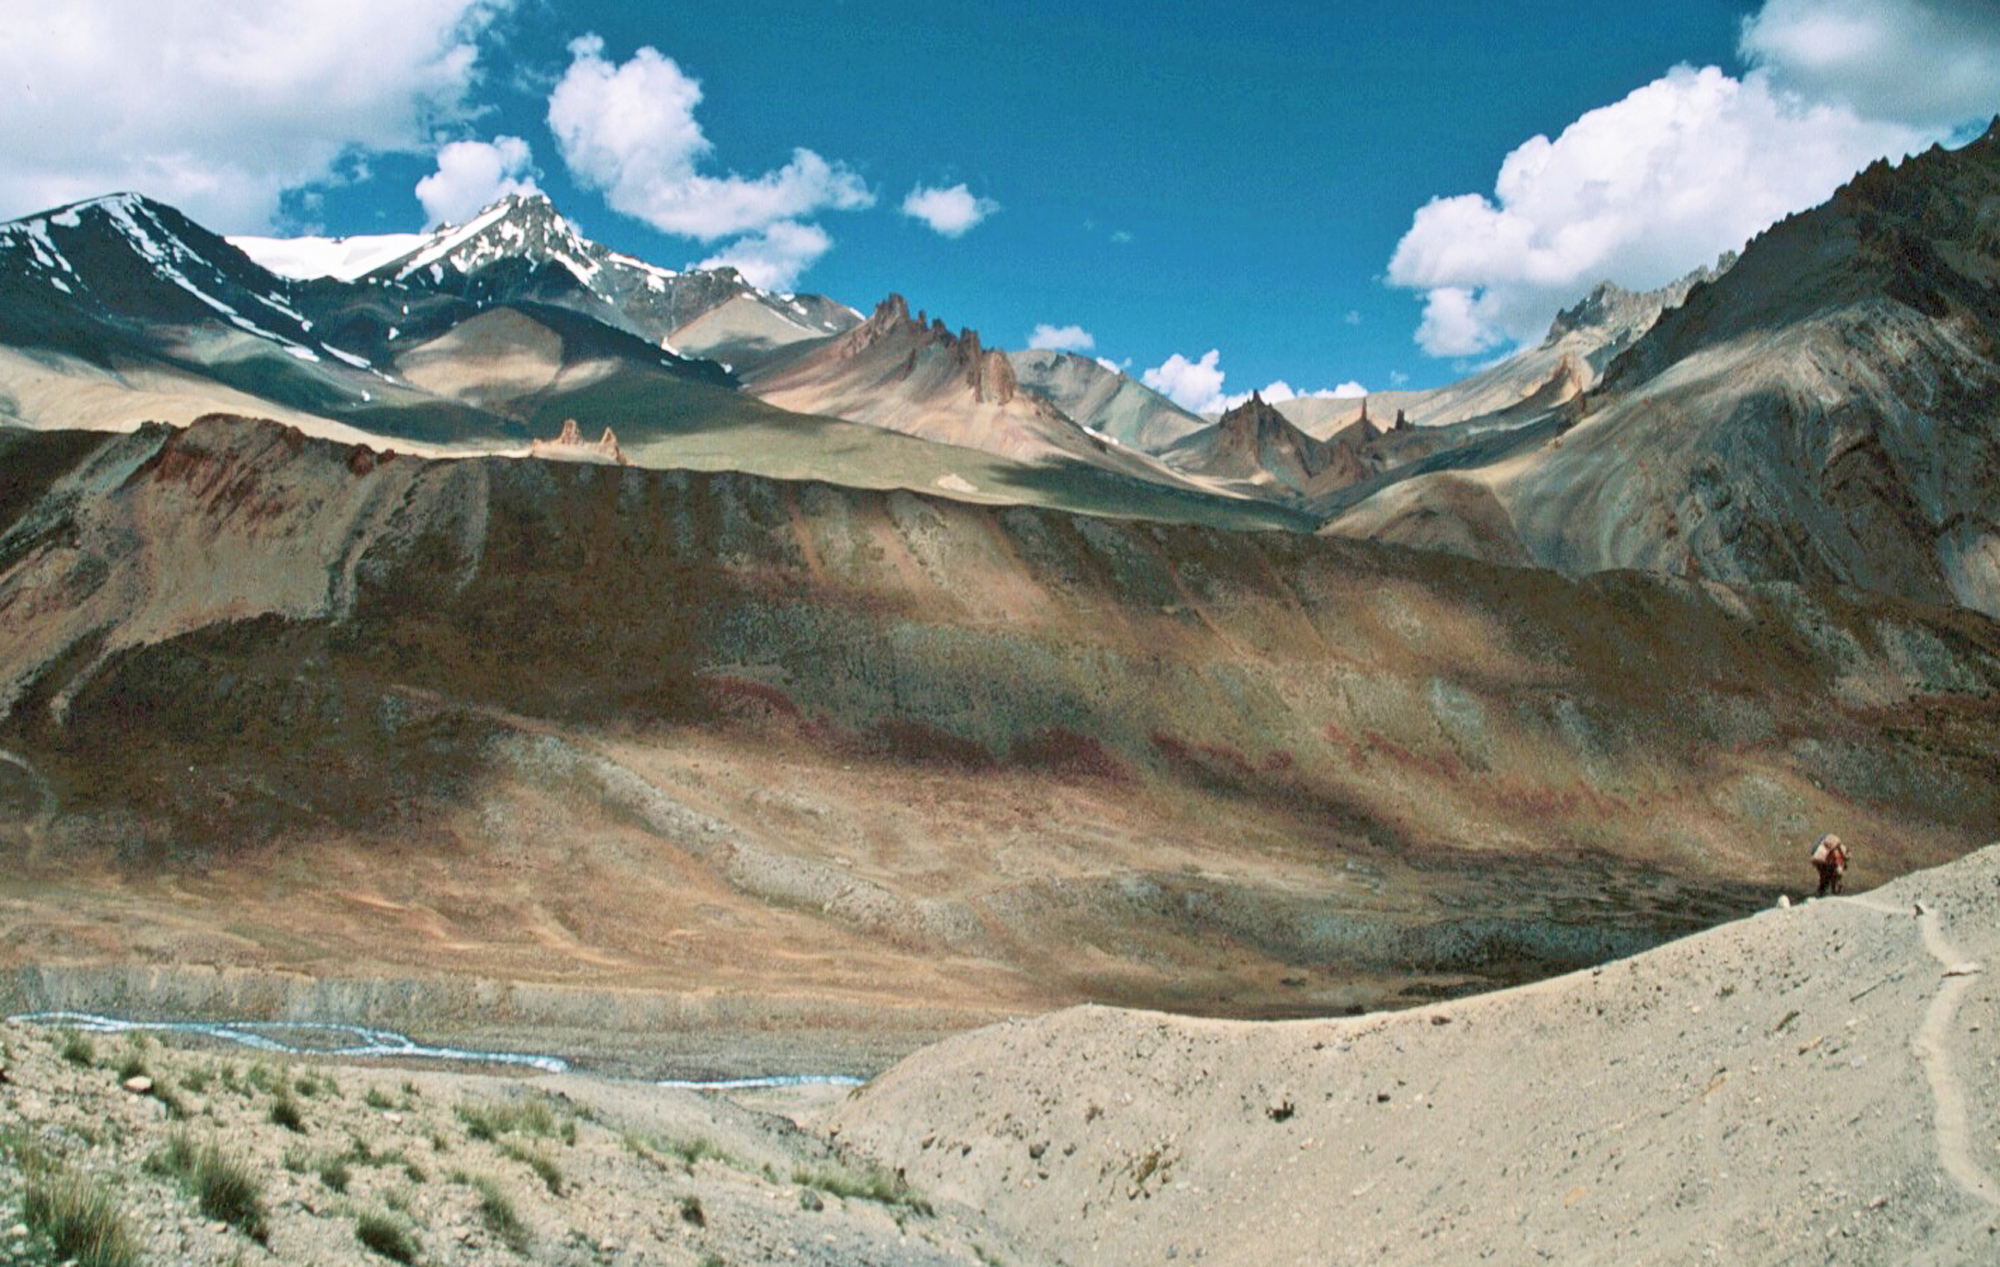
(1821, 409)
(1826, 410)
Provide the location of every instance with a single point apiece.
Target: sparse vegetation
(285, 1112)
(333, 1172)
(73, 1214)
(223, 1187)
(541, 1163)
(386, 1235)
(490, 1119)
(496, 1211)
(863, 1183)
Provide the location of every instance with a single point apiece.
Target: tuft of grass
(711, 1260)
(497, 1211)
(223, 1187)
(78, 1050)
(399, 1199)
(285, 1113)
(490, 1119)
(378, 1099)
(862, 1183)
(298, 1159)
(261, 1077)
(333, 1172)
(697, 1148)
(80, 1220)
(691, 1211)
(134, 1066)
(541, 1163)
(387, 1235)
(414, 1173)
(196, 1080)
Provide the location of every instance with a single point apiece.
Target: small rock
(1279, 1109)
(393, 1118)
(1970, 968)
(139, 1084)
(1784, 902)
(18, 1231)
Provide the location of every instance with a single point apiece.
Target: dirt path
(1933, 1051)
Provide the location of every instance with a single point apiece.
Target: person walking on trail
(1829, 858)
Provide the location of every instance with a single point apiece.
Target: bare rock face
(570, 446)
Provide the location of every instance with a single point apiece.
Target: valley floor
(1812, 1084)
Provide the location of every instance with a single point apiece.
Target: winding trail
(1933, 1051)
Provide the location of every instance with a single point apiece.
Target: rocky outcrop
(570, 446)
(1257, 445)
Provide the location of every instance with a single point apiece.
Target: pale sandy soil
(1808, 1085)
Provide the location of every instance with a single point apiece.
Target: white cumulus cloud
(1281, 391)
(471, 175)
(220, 106)
(1927, 63)
(1195, 386)
(951, 212)
(1062, 338)
(1640, 191)
(629, 131)
(775, 257)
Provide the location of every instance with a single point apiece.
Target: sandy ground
(1813, 1084)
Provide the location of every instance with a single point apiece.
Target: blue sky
(1236, 177)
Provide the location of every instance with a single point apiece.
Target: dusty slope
(748, 748)
(1809, 1085)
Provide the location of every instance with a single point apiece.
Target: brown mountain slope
(911, 374)
(1827, 410)
(850, 760)
(1254, 446)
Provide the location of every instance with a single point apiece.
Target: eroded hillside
(792, 755)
